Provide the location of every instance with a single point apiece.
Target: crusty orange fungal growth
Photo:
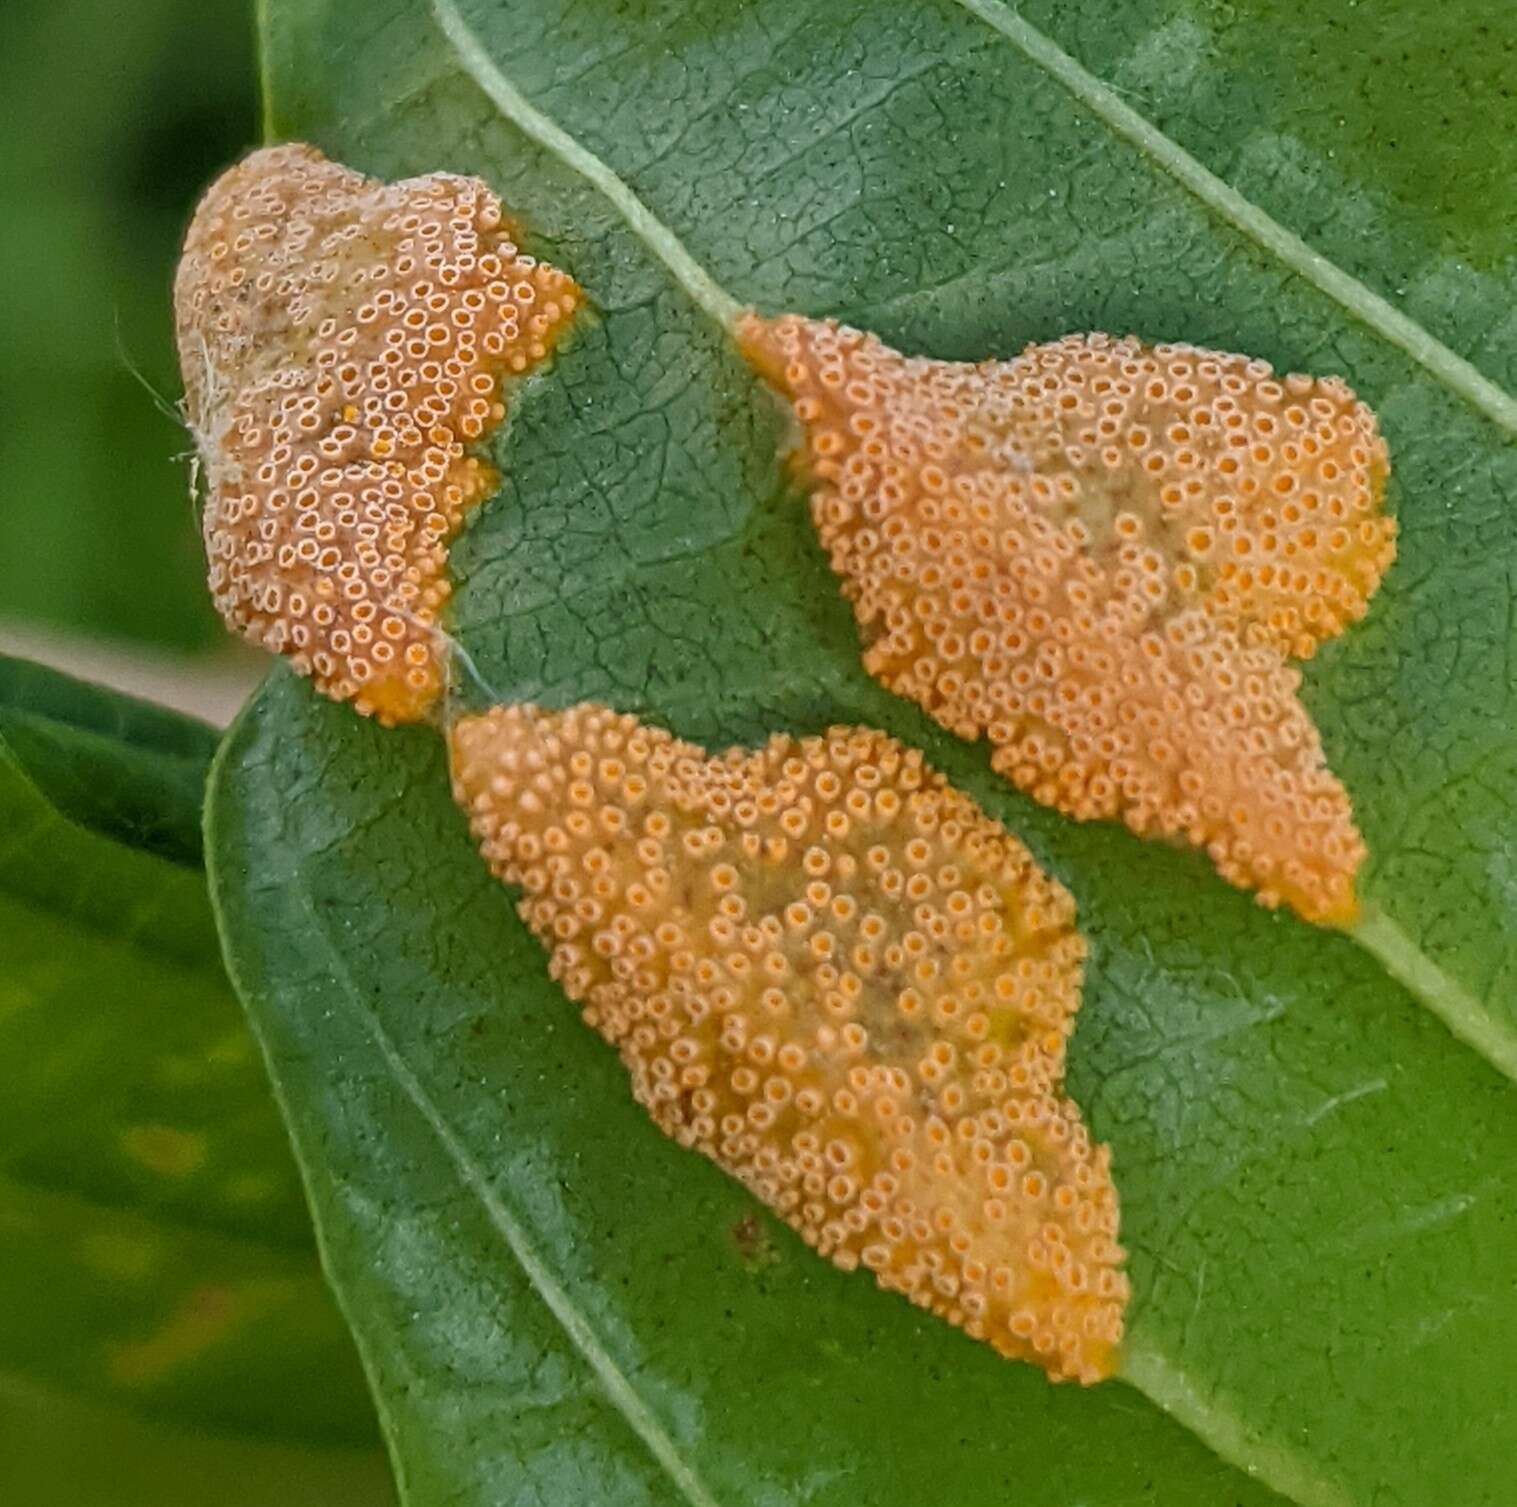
(1099, 556)
(833, 974)
(342, 341)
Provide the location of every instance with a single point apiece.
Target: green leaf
(554, 1302)
(154, 1241)
(124, 769)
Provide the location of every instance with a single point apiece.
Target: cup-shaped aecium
(343, 341)
(1099, 556)
(833, 974)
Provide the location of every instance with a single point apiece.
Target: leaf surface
(154, 1242)
(556, 1303)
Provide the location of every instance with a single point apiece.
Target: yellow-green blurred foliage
(115, 115)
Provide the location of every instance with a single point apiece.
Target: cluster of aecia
(1099, 557)
(830, 972)
(342, 341)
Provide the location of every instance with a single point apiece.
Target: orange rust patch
(1098, 556)
(829, 971)
(341, 341)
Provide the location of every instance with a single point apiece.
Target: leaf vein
(576, 1326)
(1450, 368)
(1471, 1021)
(509, 100)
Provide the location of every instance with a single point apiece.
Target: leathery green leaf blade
(554, 1302)
(1314, 1189)
(154, 1241)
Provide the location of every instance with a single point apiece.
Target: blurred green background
(118, 113)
